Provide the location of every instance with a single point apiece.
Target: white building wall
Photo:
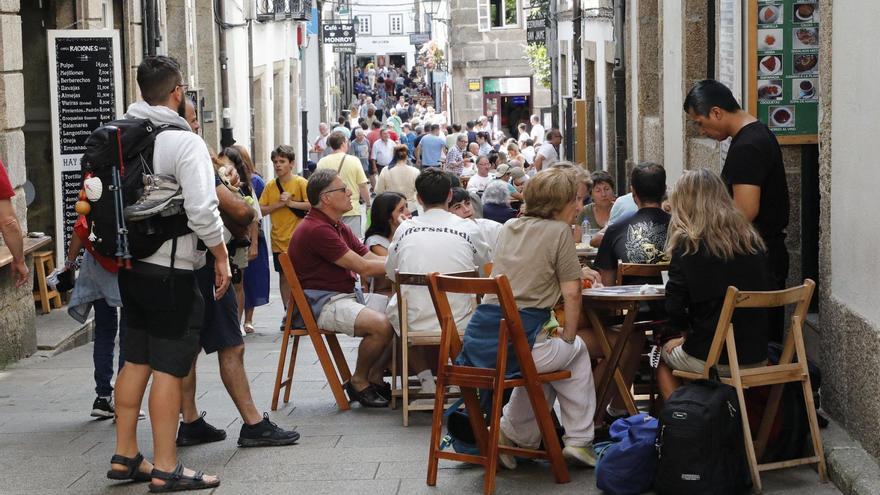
(673, 90)
(380, 40)
(854, 108)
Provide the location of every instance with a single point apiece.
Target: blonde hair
(549, 192)
(703, 213)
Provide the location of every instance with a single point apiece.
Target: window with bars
(497, 14)
(364, 24)
(395, 23)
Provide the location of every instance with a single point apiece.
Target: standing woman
(256, 275)
(712, 246)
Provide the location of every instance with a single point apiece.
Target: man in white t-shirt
(437, 241)
(548, 153)
(383, 151)
(537, 132)
(479, 181)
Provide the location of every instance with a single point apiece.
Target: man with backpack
(162, 306)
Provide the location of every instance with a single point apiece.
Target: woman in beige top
(400, 177)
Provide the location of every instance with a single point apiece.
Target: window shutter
(483, 23)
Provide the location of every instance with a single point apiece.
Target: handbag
(296, 211)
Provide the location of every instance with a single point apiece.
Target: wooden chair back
(335, 368)
(646, 270)
(775, 375)
(472, 378)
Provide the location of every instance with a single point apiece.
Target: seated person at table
(462, 205)
(437, 241)
(712, 246)
(641, 238)
(478, 182)
(388, 211)
(496, 202)
(553, 271)
(325, 254)
(598, 211)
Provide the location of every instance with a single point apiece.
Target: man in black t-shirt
(641, 238)
(754, 173)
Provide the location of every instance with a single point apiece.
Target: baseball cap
(516, 172)
(502, 169)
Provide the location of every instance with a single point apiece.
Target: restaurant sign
(784, 68)
(85, 92)
(473, 84)
(338, 33)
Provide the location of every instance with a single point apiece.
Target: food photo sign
(784, 68)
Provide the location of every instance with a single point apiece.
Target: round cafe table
(618, 298)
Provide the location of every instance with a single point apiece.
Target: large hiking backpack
(626, 464)
(700, 445)
(122, 152)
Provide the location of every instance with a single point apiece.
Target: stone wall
(17, 333)
(850, 340)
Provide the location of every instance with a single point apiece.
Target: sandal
(133, 464)
(249, 328)
(177, 481)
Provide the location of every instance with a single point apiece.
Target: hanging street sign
(338, 33)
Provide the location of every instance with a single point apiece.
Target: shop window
(364, 24)
(395, 23)
(497, 14)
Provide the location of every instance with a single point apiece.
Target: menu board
(784, 68)
(85, 86)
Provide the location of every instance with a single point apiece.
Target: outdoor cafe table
(599, 301)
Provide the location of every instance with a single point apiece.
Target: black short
(161, 317)
(220, 326)
(276, 263)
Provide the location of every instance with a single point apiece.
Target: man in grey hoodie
(162, 307)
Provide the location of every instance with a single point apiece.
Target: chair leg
(494, 431)
(329, 368)
(41, 283)
(768, 419)
(404, 374)
(56, 299)
(394, 374)
(281, 358)
(811, 406)
(436, 426)
(475, 416)
(339, 358)
(736, 382)
(294, 350)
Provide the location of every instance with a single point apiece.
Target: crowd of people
(399, 188)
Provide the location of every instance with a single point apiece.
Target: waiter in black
(754, 173)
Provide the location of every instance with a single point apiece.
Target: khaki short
(339, 314)
(677, 359)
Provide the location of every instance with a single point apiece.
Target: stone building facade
(184, 29)
(491, 56)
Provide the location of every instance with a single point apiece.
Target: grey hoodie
(185, 156)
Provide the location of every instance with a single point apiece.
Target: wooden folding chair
(335, 368)
(647, 270)
(469, 379)
(786, 371)
(411, 339)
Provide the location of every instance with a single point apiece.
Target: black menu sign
(85, 87)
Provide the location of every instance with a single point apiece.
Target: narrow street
(46, 432)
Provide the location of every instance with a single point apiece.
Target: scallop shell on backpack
(94, 188)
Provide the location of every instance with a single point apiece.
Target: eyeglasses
(343, 188)
(184, 86)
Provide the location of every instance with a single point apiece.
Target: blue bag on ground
(627, 464)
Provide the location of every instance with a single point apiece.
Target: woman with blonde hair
(554, 271)
(712, 246)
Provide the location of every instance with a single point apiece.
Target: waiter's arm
(748, 199)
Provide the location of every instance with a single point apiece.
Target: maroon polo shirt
(316, 244)
(6, 191)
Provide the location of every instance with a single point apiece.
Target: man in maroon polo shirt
(326, 255)
(11, 231)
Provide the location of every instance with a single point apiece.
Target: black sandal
(134, 472)
(177, 481)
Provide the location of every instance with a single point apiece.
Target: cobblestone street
(50, 445)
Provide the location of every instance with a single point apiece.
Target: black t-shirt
(639, 239)
(695, 295)
(755, 158)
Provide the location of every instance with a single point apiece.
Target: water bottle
(585, 232)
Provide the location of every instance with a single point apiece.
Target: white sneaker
(582, 456)
(506, 460)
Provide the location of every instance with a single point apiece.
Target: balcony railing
(277, 10)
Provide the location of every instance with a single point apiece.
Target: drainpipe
(620, 96)
(226, 138)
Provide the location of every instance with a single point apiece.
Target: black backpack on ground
(700, 442)
(133, 139)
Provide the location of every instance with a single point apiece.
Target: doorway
(397, 59)
(510, 99)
